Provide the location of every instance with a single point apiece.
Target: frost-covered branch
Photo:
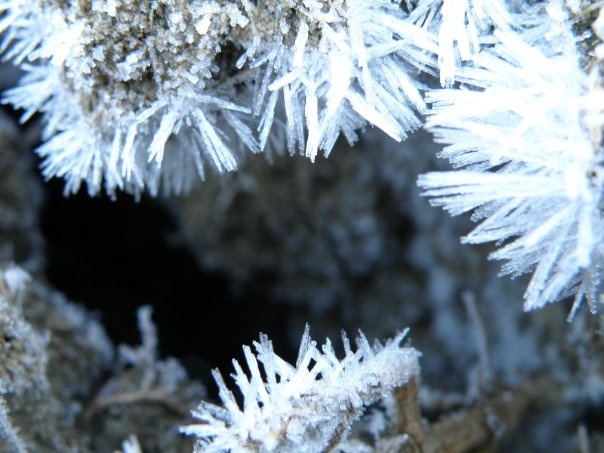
(159, 379)
(308, 407)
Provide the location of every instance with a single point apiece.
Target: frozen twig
(471, 427)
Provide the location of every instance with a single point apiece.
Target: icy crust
(308, 407)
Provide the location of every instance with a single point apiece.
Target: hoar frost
(308, 407)
(117, 82)
(529, 143)
(143, 96)
(462, 28)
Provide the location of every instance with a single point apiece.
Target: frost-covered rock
(141, 96)
(52, 357)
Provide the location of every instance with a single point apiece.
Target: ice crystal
(344, 67)
(131, 445)
(529, 147)
(461, 28)
(308, 407)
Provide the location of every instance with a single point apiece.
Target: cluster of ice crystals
(344, 68)
(128, 89)
(307, 407)
(142, 96)
(462, 28)
(528, 145)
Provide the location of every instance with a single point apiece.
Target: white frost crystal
(529, 145)
(343, 67)
(305, 408)
(462, 27)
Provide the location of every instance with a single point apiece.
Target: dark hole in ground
(114, 256)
